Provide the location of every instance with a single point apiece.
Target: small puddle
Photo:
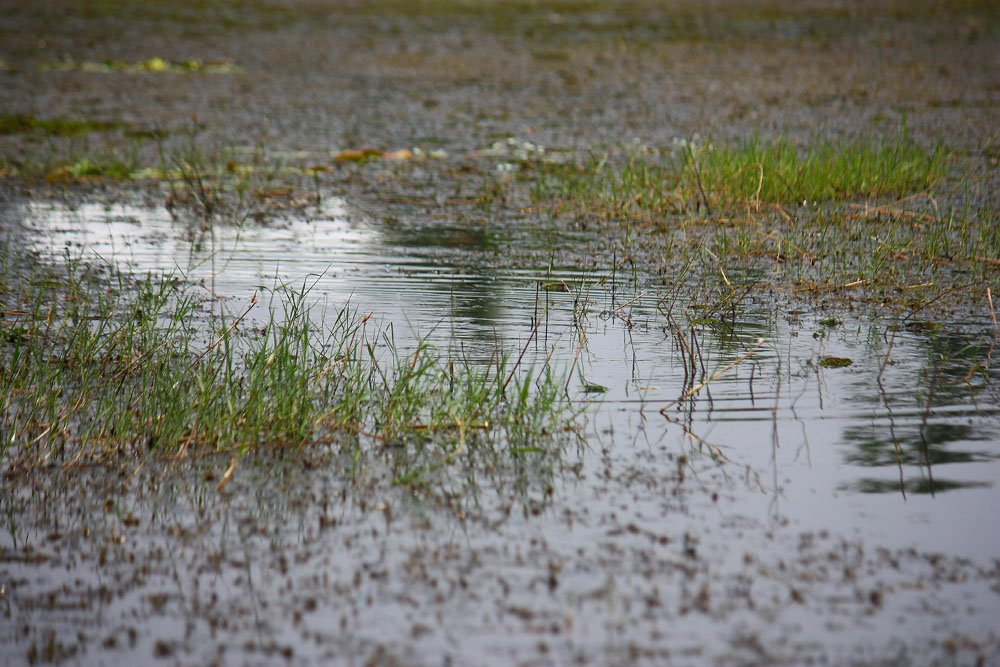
(899, 449)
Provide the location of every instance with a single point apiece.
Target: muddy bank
(634, 565)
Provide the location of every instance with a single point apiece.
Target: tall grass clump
(97, 375)
(714, 177)
(876, 215)
(823, 169)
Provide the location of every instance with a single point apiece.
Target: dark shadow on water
(914, 486)
(876, 449)
(932, 407)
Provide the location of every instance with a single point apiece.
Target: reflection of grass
(915, 486)
(104, 376)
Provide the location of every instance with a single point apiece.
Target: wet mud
(794, 512)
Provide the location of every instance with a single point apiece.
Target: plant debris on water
(835, 362)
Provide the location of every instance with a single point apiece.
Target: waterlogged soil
(827, 499)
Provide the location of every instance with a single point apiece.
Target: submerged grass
(218, 184)
(111, 376)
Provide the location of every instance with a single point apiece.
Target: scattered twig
(774, 236)
(697, 177)
(704, 383)
(628, 303)
(721, 270)
(253, 302)
(523, 350)
(228, 475)
(996, 328)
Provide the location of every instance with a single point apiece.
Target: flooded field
(785, 498)
(722, 424)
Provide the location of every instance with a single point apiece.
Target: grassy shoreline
(884, 221)
(105, 369)
(98, 365)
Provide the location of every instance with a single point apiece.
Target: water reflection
(320, 554)
(929, 417)
(924, 485)
(456, 255)
(425, 280)
(876, 447)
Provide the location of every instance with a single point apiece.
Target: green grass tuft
(778, 171)
(110, 376)
(890, 219)
(717, 177)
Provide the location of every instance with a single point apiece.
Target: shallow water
(832, 433)
(814, 469)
